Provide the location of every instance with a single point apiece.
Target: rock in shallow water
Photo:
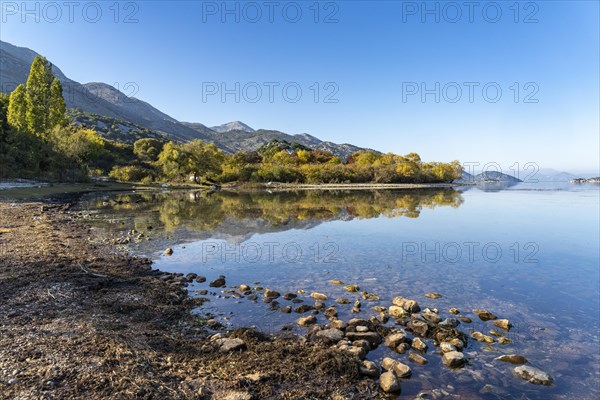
(454, 359)
(219, 282)
(503, 323)
(416, 358)
(318, 296)
(419, 345)
(306, 321)
(484, 315)
(401, 370)
(408, 305)
(389, 382)
(533, 375)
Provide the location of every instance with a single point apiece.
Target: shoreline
(81, 320)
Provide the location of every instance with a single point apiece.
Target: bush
(131, 173)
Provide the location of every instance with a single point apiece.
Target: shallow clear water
(530, 255)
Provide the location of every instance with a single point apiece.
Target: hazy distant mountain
(487, 178)
(232, 126)
(548, 175)
(117, 116)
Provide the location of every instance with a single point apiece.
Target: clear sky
(397, 76)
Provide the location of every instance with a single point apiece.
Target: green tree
(203, 160)
(17, 109)
(172, 161)
(57, 110)
(4, 127)
(38, 95)
(147, 149)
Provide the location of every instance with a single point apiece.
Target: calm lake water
(529, 254)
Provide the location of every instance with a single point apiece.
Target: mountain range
(117, 116)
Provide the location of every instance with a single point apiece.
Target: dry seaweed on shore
(80, 321)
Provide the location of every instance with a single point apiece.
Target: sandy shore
(81, 321)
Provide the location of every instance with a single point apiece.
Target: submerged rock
(533, 375)
(433, 295)
(454, 311)
(417, 358)
(513, 359)
(480, 337)
(504, 340)
(369, 296)
(351, 288)
(342, 300)
(484, 315)
(389, 382)
(335, 282)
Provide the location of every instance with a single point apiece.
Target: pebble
(397, 312)
(168, 251)
(227, 345)
(351, 288)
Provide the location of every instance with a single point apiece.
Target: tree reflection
(206, 211)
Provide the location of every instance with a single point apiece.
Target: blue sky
(373, 58)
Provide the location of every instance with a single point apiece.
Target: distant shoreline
(345, 186)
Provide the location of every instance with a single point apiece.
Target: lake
(529, 253)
